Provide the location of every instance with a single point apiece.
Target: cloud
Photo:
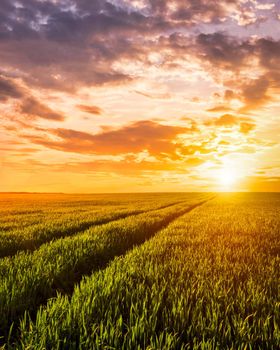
(245, 124)
(221, 54)
(229, 95)
(227, 120)
(154, 96)
(8, 89)
(254, 93)
(219, 108)
(32, 107)
(26, 103)
(246, 127)
(190, 12)
(59, 45)
(222, 50)
(159, 140)
(267, 6)
(269, 51)
(90, 109)
(63, 44)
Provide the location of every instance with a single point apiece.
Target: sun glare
(227, 177)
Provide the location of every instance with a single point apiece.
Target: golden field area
(140, 271)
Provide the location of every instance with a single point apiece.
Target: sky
(139, 95)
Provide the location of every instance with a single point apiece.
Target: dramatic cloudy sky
(139, 95)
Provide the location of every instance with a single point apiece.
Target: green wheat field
(140, 271)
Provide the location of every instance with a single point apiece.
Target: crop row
(27, 210)
(29, 204)
(24, 219)
(209, 280)
(29, 279)
(56, 226)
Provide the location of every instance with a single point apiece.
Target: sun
(227, 177)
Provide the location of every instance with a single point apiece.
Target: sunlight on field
(140, 271)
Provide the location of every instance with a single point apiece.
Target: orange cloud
(90, 109)
(254, 93)
(228, 121)
(159, 140)
(219, 108)
(246, 127)
(32, 107)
